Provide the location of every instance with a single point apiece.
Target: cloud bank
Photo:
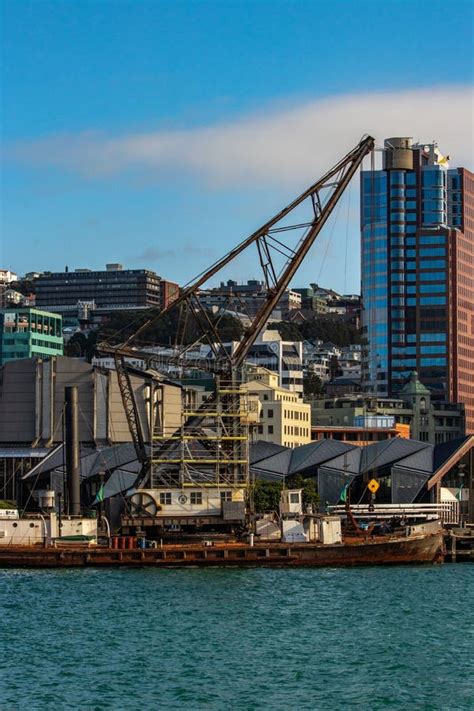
(271, 147)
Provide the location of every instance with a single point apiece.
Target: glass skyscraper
(417, 225)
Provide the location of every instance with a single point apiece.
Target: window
(427, 350)
(226, 496)
(432, 276)
(294, 498)
(397, 177)
(196, 497)
(270, 413)
(270, 429)
(165, 498)
(433, 361)
(432, 300)
(432, 252)
(397, 216)
(432, 288)
(433, 336)
(432, 239)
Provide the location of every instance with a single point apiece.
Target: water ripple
(238, 639)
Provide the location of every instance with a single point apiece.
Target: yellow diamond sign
(373, 485)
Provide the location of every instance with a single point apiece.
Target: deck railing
(447, 511)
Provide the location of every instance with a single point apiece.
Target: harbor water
(380, 638)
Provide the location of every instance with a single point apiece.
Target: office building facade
(109, 290)
(417, 225)
(26, 333)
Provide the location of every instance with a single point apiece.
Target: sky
(159, 134)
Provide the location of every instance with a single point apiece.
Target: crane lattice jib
(322, 197)
(337, 178)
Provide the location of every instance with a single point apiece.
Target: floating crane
(281, 245)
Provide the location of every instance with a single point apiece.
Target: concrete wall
(66, 372)
(32, 402)
(17, 401)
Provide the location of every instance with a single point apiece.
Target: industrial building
(32, 406)
(27, 332)
(408, 471)
(417, 223)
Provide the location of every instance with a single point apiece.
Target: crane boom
(322, 197)
(347, 166)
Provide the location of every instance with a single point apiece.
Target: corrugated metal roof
(381, 454)
(442, 452)
(276, 467)
(349, 462)
(120, 481)
(261, 450)
(313, 454)
(91, 461)
(421, 461)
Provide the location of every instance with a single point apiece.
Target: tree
(312, 384)
(330, 328)
(288, 331)
(228, 327)
(166, 329)
(335, 370)
(76, 345)
(81, 346)
(266, 496)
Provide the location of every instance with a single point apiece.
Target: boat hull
(380, 551)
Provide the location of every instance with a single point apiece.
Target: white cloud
(287, 146)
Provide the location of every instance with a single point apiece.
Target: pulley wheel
(143, 504)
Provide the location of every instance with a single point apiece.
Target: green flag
(343, 494)
(100, 495)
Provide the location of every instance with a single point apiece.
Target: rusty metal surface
(377, 551)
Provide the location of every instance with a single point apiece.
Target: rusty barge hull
(394, 551)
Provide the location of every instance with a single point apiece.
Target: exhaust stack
(72, 450)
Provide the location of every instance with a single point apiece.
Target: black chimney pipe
(72, 450)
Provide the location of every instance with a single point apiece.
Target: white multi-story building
(7, 276)
(282, 357)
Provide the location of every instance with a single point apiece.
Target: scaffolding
(211, 446)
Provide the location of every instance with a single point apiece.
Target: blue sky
(159, 134)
